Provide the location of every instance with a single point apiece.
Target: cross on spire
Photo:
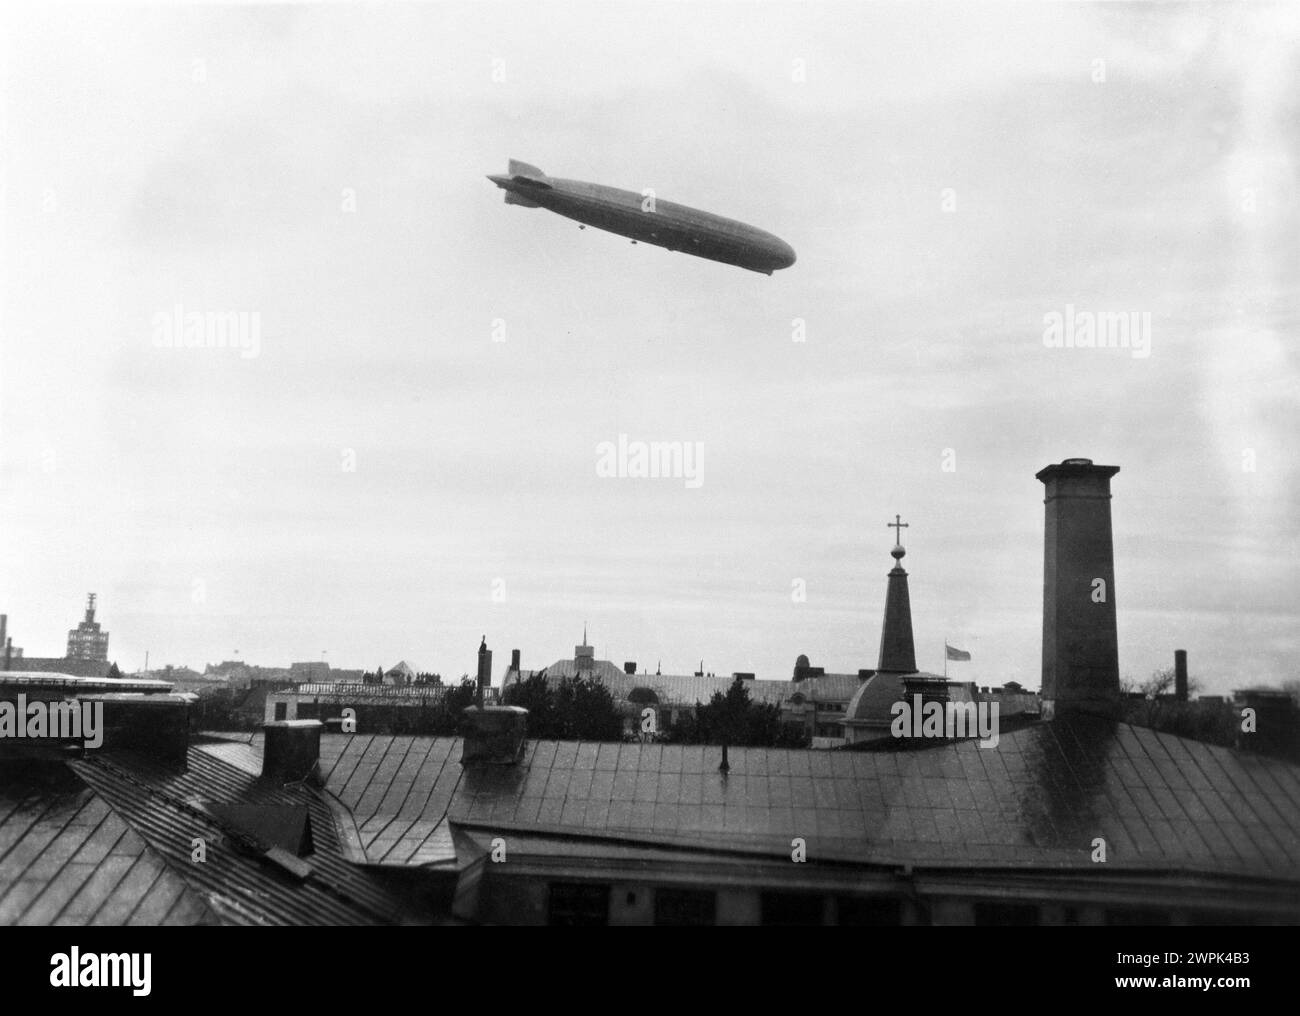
(898, 525)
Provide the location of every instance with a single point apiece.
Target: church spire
(897, 652)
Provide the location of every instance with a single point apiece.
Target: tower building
(87, 641)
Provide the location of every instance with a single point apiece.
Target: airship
(642, 217)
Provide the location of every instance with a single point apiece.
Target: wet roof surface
(1040, 797)
(244, 885)
(67, 858)
(108, 839)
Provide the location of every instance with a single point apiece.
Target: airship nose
(785, 254)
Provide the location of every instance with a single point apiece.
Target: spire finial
(898, 525)
(584, 633)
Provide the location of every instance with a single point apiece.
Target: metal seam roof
(1043, 794)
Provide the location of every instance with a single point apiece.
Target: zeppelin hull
(661, 223)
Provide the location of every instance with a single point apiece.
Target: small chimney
(1080, 645)
(494, 734)
(292, 751)
(484, 671)
(629, 667)
(1276, 722)
(154, 725)
(514, 660)
(930, 689)
(1180, 674)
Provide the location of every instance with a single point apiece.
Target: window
(578, 904)
(792, 909)
(685, 907)
(281, 710)
(1006, 914)
(865, 912)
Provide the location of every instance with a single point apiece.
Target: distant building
(401, 673)
(12, 658)
(814, 701)
(8, 651)
(243, 675)
(87, 641)
(61, 665)
(315, 671)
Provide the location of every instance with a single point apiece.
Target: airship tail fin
(523, 169)
(516, 199)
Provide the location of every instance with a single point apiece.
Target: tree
(733, 718)
(534, 695)
(577, 708)
(1161, 682)
(585, 711)
(455, 700)
(114, 673)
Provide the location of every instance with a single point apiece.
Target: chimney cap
(1074, 467)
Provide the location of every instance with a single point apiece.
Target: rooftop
(1037, 799)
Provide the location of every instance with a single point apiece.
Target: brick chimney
(292, 751)
(494, 734)
(514, 660)
(484, 671)
(1180, 675)
(1080, 646)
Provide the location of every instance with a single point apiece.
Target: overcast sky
(383, 480)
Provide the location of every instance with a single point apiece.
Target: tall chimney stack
(1180, 674)
(1080, 645)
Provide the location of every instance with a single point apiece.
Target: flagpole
(945, 659)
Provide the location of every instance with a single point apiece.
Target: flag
(956, 654)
